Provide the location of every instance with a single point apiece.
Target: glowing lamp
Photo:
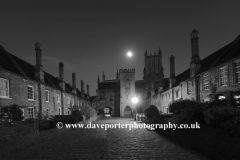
(134, 100)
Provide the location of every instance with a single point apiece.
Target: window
(58, 98)
(81, 102)
(223, 76)
(59, 111)
(111, 97)
(78, 103)
(22, 112)
(206, 100)
(188, 87)
(47, 112)
(177, 93)
(206, 82)
(30, 112)
(127, 84)
(237, 64)
(221, 97)
(30, 93)
(237, 97)
(4, 88)
(47, 95)
(102, 97)
(68, 100)
(73, 101)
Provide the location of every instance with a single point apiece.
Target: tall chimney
(172, 71)
(82, 86)
(195, 53)
(103, 77)
(39, 73)
(74, 83)
(87, 89)
(61, 75)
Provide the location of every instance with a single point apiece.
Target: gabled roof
(221, 56)
(109, 86)
(93, 98)
(20, 67)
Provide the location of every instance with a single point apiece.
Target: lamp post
(134, 101)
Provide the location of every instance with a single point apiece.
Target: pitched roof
(221, 56)
(18, 66)
(109, 86)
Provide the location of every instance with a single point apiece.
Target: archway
(107, 111)
(127, 112)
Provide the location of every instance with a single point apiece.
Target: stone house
(40, 94)
(215, 77)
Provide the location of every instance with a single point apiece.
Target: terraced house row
(215, 77)
(39, 94)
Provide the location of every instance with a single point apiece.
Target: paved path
(107, 144)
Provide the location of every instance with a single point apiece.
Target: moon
(129, 54)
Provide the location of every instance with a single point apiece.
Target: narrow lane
(108, 144)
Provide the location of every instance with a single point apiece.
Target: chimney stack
(172, 71)
(87, 89)
(74, 83)
(103, 77)
(82, 86)
(61, 75)
(195, 53)
(39, 73)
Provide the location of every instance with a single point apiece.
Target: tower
(127, 91)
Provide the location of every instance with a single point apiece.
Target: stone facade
(214, 77)
(39, 94)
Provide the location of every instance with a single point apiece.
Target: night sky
(90, 37)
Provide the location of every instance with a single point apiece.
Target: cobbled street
(107, 144)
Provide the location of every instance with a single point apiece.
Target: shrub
(216, 115)
(46, 124)
(179, 106)
(13, 112)
(151, 112)
(78, 115)
(100, 112)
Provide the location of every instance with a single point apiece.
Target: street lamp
(134, 100)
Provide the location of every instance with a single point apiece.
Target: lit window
(47, 112)
(237, 97)
(47, 95)
(223, 76)
(58, 98)
(189, 88)
(4, 88)
(30, 93)
(221, 97)
(22, 112)
(206, 82)
(30, 112)
(238, 72)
